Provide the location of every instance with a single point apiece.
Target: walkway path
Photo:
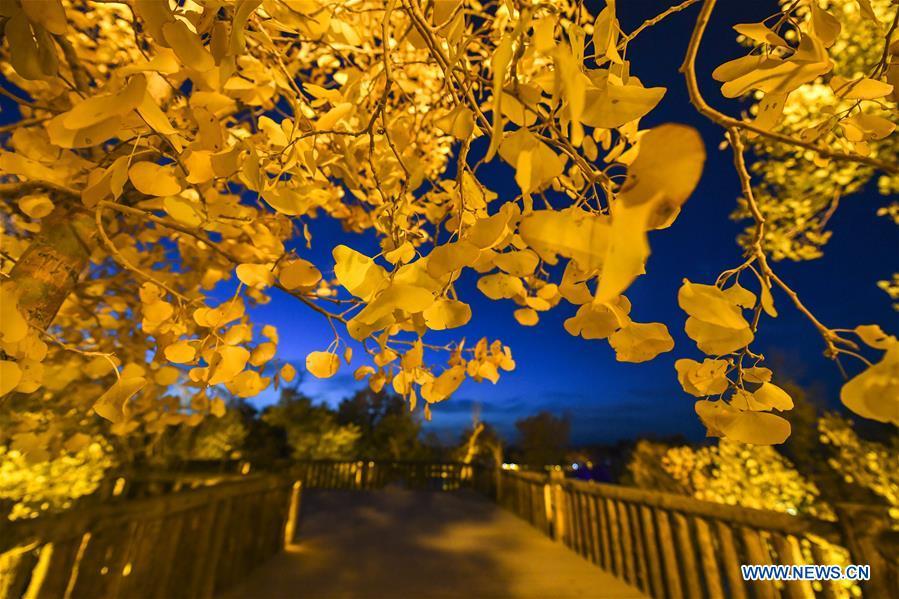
(398, 544)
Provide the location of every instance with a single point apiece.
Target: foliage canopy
(166, 147)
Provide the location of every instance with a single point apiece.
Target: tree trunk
(48, 270)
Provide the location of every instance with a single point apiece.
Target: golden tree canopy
(164, 147)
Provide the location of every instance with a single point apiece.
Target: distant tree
(218, 438)
(870, 465)
(312, 431)
(479, 444)
(645, 468)
(265, 444)
(753, 476)
(388, 430)
(543, 438)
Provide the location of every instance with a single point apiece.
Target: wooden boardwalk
(416, 545)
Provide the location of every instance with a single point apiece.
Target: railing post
(555, 509)
(293, 513)
(867, 535)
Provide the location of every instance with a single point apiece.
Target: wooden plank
(627, 543)
(730, 562)
(830, 589)
(736, 515)
(757, 553)
(788, 553)
(686, 551)
(605, 535)
(669, 555)
(59, 570)
(708, 557)
(221, 527)
(639, 548)
(593, 519)
(615, 528)
(653, 560)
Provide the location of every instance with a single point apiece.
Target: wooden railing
(185, 544)
(367, 474)
(672, 546)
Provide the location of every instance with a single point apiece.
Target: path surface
(398, 544)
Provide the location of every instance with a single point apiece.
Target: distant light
(574, 466)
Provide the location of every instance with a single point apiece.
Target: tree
(387, 429)
(543, 438)
(164, 152)
(312, 430)
(480, 444)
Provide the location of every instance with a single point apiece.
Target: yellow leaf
(217, 407)
(262, 353)
(10, 375)
(167, 375)
(36, 206)
(596, 320)
(322, 364)
(31, 50)
(864, 88)
(772, 396)
(824, 25)
(520, 263)
(667, 168)
(444, 385)
(610, 105)
(710, 304)
(357, 272)
(452, 257)
(180, 352)
(874, 336)
(757, 428)
(536, 164)
(248, 383)
(572, 233)
(501, 286)
(153, 179)
(299, 274)
(111, 405)
(288, 373)
(874, 393)
(757, 374)
(258, 276)
(446, 314)
(708, 378)
(50, 14)
(761, 33)
(227, 363)
(626, 252)
(187, 46)
(459, 122)
(185, 211)
(98, 109)
(498, 64)
(527, 317)
(715, 340)
(639, 342)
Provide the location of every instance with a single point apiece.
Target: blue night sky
(608, 400)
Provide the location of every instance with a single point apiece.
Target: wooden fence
(184, 544)
(671, 546)
(367, 474)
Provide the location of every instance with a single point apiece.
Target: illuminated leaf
(322, 365)
(112, 404)
(639, 342)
